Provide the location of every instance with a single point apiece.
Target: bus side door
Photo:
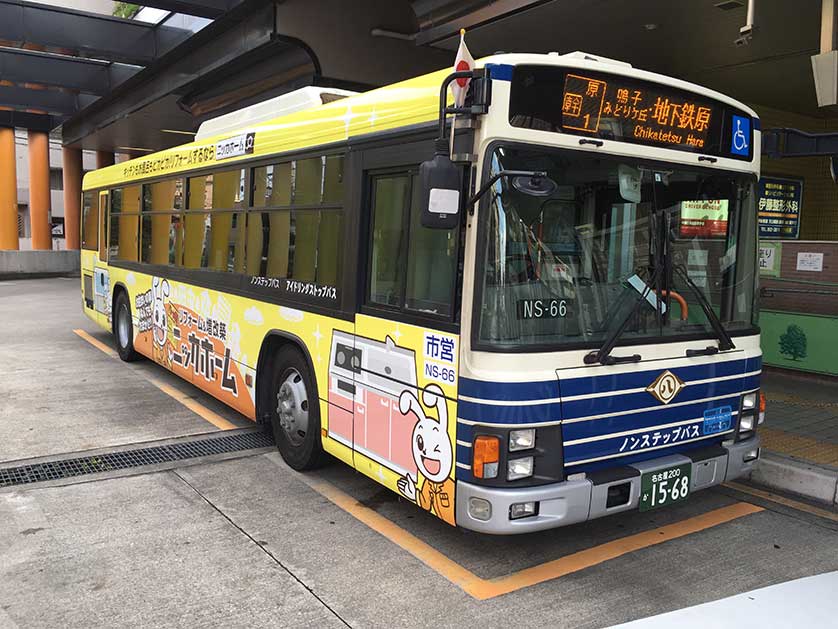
(407, 344)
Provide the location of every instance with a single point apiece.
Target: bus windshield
(560, 271)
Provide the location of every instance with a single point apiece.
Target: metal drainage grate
(67, 468)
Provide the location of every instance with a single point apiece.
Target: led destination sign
(591, 105)
(615, 107)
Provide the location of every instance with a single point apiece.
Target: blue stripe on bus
(500, 71)
(549, 389)
(494, 414)
(508, 391)
(642, 379)
(571, 468)
(617, 402)
(627, 444)
(636, 421)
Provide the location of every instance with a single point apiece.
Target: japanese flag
(463, 62)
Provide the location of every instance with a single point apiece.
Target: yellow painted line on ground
(483, 589)
(97, 343)
(786, 502)
(192, 404)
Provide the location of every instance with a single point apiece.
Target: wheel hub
(292, 407)
(122, 327)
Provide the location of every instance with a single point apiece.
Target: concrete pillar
(39, 202)
(104, 158)
(8, 190)
(72, 169)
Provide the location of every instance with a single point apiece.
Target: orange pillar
(71, 167)
(104, 158)
(39, 203)
(8, 190)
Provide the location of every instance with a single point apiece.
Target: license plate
(664, 487)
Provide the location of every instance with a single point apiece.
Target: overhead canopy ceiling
(691, 40)
(124, 83)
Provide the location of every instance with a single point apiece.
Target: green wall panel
(796, 341)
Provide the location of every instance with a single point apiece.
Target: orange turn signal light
(761, 402)
(485, 456)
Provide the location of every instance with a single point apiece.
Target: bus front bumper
(573, 501)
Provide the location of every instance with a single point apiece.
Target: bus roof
(403, 104)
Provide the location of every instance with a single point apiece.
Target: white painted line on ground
(807, 602)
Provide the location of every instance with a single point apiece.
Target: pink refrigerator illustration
(366, 378)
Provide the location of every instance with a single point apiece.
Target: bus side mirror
(440, 182)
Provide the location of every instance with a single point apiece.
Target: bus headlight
(746, 423)
(519, 468)
(520, 510)
(521, 439)
(479, 509)
(749, 402)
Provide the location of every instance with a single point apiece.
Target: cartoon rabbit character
(432, 454)
(159, 318)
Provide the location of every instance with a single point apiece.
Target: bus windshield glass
(561, 271)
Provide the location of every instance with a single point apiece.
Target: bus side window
(90, 223)
(431, 263)
(389, 236)
(162, 240)
(295, 229)
(411, 267)
(125, 224)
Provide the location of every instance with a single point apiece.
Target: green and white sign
(770, 254)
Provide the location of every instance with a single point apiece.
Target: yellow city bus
(547, 319)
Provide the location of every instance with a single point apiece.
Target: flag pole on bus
(459, 87)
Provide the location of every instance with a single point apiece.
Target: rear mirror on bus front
(440, 184)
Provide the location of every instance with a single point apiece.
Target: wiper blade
(725, 342)
(602, 355)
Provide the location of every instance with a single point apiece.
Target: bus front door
(101, 277)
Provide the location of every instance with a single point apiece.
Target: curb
(798, 477)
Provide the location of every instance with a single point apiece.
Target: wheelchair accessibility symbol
(741, 135)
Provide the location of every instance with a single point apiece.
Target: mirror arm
(481, 107)
(503, 173)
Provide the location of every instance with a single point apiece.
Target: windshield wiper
(725, 342)
(603, 354)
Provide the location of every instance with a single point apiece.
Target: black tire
(301, 449)
(124, 339)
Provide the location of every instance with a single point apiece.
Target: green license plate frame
(666, 486)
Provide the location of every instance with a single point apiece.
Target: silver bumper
(575, 501)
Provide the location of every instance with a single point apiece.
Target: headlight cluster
(486, 455)
(751, 413)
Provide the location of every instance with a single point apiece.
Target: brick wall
(809, 292)
(819, 219)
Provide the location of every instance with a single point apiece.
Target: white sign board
(809, 261)
(235, 147)
(767, 259)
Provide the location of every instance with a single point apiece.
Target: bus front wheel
(295, 411)
(123, 328)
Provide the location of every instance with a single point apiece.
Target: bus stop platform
(800, 435)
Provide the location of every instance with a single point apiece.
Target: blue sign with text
(779, 201)
(717, 420)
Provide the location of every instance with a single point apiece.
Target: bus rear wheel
(123, 328)
(295, 411)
